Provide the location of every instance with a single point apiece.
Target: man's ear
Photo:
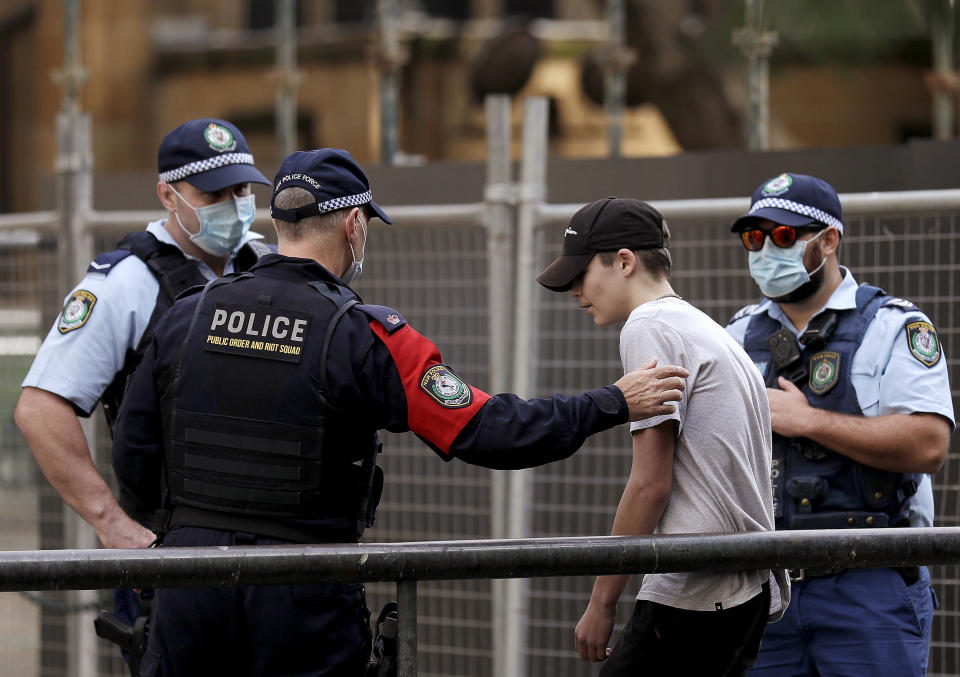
(351, 224)
(831, 241)
(626, 261)
(167, 197)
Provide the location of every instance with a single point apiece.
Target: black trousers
(313, 630)
(662, 640)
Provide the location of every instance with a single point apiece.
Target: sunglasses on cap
(782, 236)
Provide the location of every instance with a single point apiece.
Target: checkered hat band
(206, 165)
(797, 208)
(344, 202)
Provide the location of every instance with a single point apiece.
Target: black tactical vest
(813, 487)
(175, 273)
(252, 442)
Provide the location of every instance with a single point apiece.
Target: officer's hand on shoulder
(650, 390)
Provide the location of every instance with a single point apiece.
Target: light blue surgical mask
(779, 271)
(352, 273)
(222, 225)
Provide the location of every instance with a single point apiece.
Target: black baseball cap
(209, 154)
(606, 225)
(333, 178)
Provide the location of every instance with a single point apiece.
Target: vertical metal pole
(615, 76)
(944, 108)
(74, 168)
(389, 14)
(756, 44)
(285, 29)
(501, 236)
(533, 174)
(407, 630)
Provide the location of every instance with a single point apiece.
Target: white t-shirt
(721, 465)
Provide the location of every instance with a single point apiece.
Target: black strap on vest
(175, 273)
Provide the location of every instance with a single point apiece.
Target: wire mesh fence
(436, 275)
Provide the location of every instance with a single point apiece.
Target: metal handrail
(408, 563)
(453, 560)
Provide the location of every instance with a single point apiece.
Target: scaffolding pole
(288, 78)
(756, 45)
(944, 106)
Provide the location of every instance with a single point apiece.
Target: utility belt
(841, 520)
(910, 574)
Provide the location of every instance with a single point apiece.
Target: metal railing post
(407, 630)
(533, 173)
(501, 236)
(74, 170)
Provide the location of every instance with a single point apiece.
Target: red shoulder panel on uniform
(439, 403)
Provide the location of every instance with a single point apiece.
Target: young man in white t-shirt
(705, 468)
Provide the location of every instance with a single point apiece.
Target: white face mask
(352, 273)
(222, 225)
(779, 271)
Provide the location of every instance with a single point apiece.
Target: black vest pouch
(253, 467)
(806, 492)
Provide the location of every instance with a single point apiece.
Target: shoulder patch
(106, 261)
(77, 311)
(902, 304)
(923, 342)
(743, 312)
(388, 317)
(446, 388)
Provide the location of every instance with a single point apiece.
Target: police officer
(265, 423)
(861, 412)
(206, 169)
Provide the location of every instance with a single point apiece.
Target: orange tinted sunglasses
(782, 236)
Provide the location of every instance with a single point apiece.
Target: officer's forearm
(509, 433)
(56, 439)
(915, 443)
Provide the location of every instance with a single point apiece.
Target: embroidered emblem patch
(219, 137)
(77, 311)
(779, 185)
(446, 388)
(923, 342)
(824, 371)
(393, 319)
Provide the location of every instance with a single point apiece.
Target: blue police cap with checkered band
(793, 200)
(331, 176)
(209, 154)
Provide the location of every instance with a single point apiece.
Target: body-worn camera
(787, 356)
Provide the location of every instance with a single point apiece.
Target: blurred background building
(656, 99)
(844, 73)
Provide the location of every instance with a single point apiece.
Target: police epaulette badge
(77, 311)
(446, 388)
(923, 342)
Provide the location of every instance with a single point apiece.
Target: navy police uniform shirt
(102, 318)
(889, 376)
(383, 372)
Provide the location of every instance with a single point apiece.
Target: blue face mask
(779, 271)
(356, 268)
(222, 225)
